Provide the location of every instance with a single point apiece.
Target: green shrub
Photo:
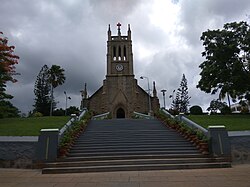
(37, 114)
(196, 110)
(226, 110)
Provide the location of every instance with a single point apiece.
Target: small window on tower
(120, 53)
(124, 52)
(114, 53)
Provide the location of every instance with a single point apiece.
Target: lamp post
(66, 98)
(163, 93)
(149, 100)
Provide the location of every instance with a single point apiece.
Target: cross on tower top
(119, 25)
(119, 29)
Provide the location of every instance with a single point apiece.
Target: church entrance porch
(120, 113)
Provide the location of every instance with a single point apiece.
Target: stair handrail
(142, 116)
(187, 121)
(84, 110)
(192, 124)
(167, 113)
(70, 122)
(101, 116)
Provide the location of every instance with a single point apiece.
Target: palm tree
(56, 78)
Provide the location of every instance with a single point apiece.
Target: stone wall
(17, 152)
(240, 147)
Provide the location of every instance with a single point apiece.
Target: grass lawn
(29, 126)
(231, 122)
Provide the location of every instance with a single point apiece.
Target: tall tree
(181, 101)
(7, 66)
(56, 78)
(183, 95)
(7, 70)
(227, 68)
(175, 106)
(42, 91)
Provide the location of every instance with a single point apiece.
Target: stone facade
(120, 94)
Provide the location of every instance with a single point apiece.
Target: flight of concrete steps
(129, 145)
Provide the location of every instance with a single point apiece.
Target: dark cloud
(113, 10)
(198, 16)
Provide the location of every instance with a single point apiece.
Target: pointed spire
(154, 90)
(85, 91)
(109, 33)
(119, 28)
(129, 32)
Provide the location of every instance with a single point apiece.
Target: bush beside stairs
(131, 145)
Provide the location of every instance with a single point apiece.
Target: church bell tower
(119, 53)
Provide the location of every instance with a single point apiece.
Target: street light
(149, 99)
(66, 97)
(163, 93)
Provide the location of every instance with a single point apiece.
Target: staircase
(128, 145)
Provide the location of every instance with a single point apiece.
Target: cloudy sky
(73, 34)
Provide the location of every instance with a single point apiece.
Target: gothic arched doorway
(120, 113)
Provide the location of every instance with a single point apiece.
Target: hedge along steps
(71, 132)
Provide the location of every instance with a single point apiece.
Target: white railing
(70, 122)
(101, 116)
(82, 114)
(142, 116)
(192, 124)
(167, 113)
(187, 121)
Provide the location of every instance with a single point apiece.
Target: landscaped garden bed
(72, 134)
(195, 136)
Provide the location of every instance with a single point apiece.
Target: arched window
(119, 53)
(114, 53)
(124, 53)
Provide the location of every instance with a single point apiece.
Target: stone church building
(120, 94)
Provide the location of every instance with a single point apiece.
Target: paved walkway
(238, 175)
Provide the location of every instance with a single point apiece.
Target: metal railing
(167, 113)
(70, 122)
(142, 116)
(192, 124)
(101, 116)
(187, 121)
